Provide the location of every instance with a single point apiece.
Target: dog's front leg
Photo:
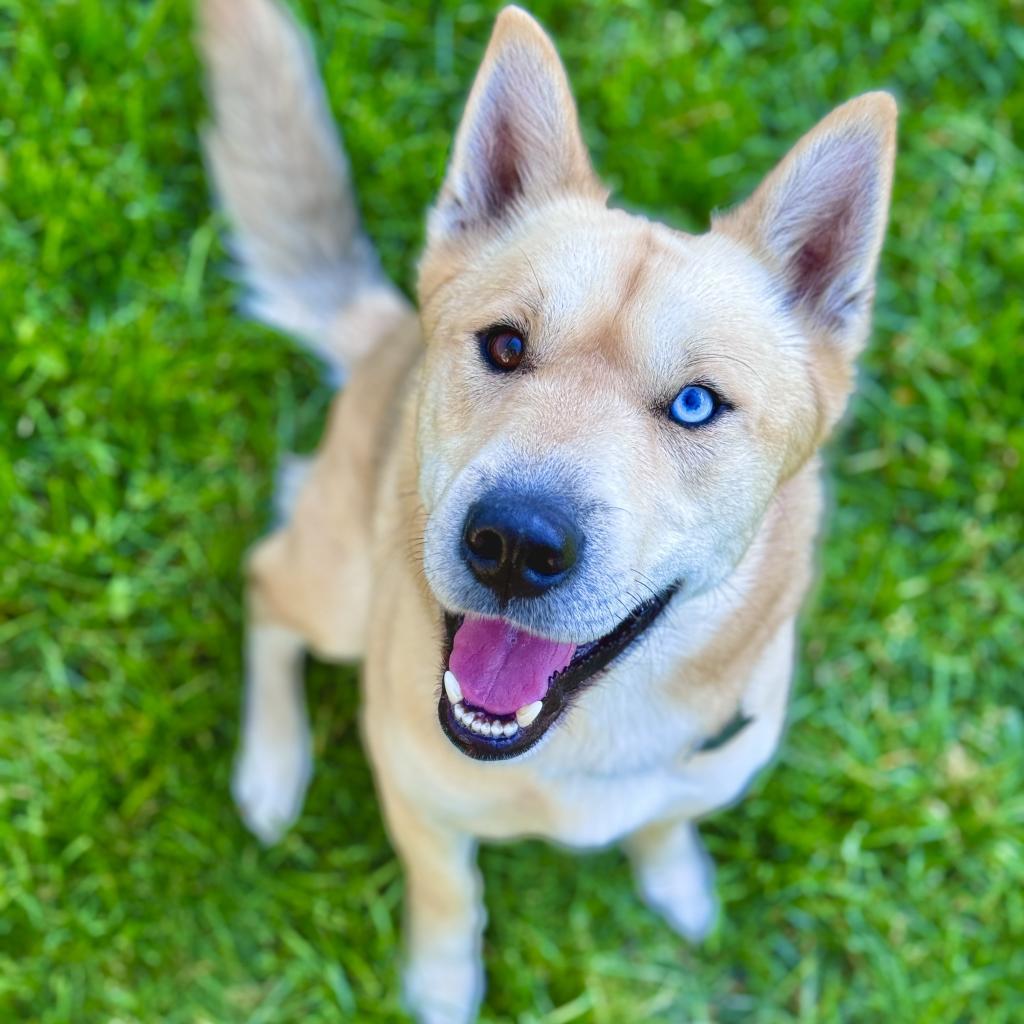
(675, 875)
(273, 766)
(444, 916)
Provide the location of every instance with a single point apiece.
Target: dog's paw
(269, 786)
(682, 891)
(443, 990)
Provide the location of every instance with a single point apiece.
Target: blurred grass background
(876, 874)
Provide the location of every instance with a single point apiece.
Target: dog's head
(608, 406)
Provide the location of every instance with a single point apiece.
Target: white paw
(444, 990)
(682, 891)
(269, 785)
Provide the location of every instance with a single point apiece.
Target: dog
(564, 514)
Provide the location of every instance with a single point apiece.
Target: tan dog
(565, 515)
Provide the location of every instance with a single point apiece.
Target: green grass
(876, 874)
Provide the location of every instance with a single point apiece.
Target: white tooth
(510, 729)
(497, 729)
(478, 726)
(527, 714)
(452, 688)
(460, 712)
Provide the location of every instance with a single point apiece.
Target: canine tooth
(452, 688)
(528, 713)
(511, 728)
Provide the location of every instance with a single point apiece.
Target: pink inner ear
(519, 140)
(500, 154)
(824, 224)
(818, 262)
(500, 668)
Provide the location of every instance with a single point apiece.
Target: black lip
(589, 661)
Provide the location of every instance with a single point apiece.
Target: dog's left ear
(818, 219)
(519, 141)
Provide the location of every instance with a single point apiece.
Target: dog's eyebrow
(540, 288)
(529, 303)
(700, 359)
(522, 298)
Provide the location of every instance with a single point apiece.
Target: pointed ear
(519, 140)
(819, 218)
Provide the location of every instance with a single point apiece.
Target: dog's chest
(589, 810)
(593, 804)
(609, 771)
(618, 766)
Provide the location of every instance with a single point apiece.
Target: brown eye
(503, 349)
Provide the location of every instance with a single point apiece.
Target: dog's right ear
(519, 141)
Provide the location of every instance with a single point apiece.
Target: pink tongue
(501, 668)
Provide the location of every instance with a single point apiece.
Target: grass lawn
(875, 875)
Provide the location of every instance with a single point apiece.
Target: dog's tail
(281, 174)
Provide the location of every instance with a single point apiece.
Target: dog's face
(609, 406)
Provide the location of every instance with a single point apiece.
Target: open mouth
(505, 688)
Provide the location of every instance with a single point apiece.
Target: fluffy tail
(281, 174)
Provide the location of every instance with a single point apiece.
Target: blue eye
(694, 405)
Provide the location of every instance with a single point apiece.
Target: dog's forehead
(631, 283)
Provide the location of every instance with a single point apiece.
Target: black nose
(519, 546)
